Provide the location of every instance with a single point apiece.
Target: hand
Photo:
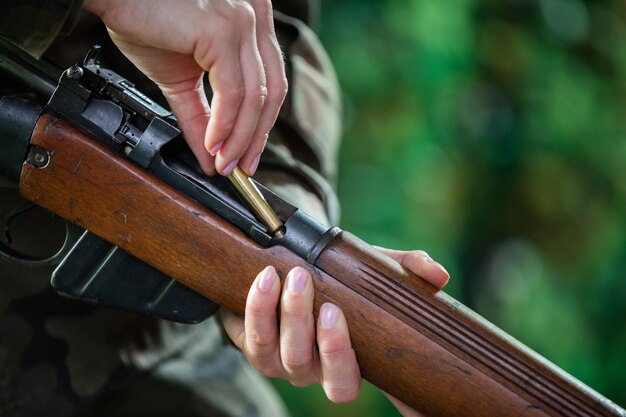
(288, 350)
(174, 42)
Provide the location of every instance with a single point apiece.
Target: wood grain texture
(477, 346)
(412, 341)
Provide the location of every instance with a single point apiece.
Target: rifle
(105, 157)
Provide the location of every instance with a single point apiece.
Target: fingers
(289, 350)
(291, 354)
(245, 109)
(341, 378)
(276, 81)
(423, 265)
(261, 340)
(297, 329)
(252, 103)
(420, 264)
(228, 86)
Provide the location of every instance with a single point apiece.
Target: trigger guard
(72, 233)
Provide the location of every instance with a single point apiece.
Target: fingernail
(255, 165)
(297, 280)
(268, 276)
(230, 167)
(216, 148)
(329, 313)
(436, 264)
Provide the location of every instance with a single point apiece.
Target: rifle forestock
(411, 340)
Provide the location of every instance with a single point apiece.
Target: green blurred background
(492, 134)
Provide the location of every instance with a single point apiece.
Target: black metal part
(98, 116)
(302, 234)
(75, 72)
(157, 134)
(9, 254)
(37, 75)
(321, 244)
(104, 114)
(177, 166)
(37, 157)
(17, 121)
(100, 272)
(92, 56)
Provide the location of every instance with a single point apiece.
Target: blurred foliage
(493, 135)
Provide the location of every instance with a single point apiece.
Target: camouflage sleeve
(33, 24)
(304, 142)
(313, 106)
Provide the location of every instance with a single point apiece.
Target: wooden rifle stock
(411, 340)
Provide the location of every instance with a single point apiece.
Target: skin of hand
(174, 42)
(288, 350)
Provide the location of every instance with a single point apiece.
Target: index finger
(421, 264)
(227, 83)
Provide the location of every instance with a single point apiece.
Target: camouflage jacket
(34, 24)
